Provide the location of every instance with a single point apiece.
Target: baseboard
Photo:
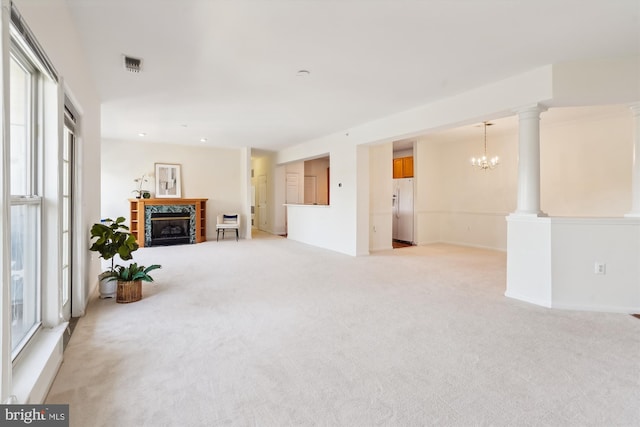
(433, 242)
(380, 249)
(465, 244)
(473, 246)
(575, 307)
(535, 301)
(597, 308)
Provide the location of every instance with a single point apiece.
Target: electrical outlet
(600, 268)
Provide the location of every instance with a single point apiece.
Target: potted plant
(112, 238)
(129, 279)
(140, 193)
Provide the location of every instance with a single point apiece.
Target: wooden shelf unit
(136, 215)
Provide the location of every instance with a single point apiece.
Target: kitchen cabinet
(403, 167)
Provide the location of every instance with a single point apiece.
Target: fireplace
(170, 228)
(142, 209)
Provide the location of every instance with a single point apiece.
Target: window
(26, 203)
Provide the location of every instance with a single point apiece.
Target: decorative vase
(107, 288)
(146, 195)
(129, 291)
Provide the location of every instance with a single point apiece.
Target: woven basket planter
(129, 291)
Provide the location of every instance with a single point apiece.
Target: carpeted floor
(271, 332)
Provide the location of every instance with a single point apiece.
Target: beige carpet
(270, 332)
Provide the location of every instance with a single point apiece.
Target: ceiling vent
(131, 64)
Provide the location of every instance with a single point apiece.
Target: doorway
(403, 195)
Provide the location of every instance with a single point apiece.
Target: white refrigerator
(403, 209)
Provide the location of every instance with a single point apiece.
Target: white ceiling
(227, 70)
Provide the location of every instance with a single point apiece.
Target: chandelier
(485, 162)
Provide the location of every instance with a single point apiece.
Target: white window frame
(34, 184)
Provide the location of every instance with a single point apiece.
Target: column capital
(531, 108)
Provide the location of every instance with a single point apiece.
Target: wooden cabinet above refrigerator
(403, 167)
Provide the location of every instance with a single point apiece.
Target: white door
(262, 202)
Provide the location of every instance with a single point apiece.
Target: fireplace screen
(170, 228)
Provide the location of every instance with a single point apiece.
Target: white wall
(279, 196)
(529, 271)
(403, 153)
(245, 190)
(52, 24)
(551, 262)
(363, 203)
(428, 200)
(577, 245)
(380, 193)
(586, 165)
(31, 376)
(597, 81)
(213, 173)
(334, 227)
(474, 202)
(585, 172)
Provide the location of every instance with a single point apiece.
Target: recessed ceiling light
(142, 134)
(303, 73)
(203, 139)
(184, 125)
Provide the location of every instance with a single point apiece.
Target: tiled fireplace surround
(184, 209)
(141, 210)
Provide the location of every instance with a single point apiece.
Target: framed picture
(168, 182)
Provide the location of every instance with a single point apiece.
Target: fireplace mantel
(139, 209)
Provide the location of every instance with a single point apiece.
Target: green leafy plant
(134, 272)
(113, 238)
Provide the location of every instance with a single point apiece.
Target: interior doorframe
(69, 128)
(78, 291)
(262, 214)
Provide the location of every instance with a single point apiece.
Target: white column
(529, 161)
(635, 172)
